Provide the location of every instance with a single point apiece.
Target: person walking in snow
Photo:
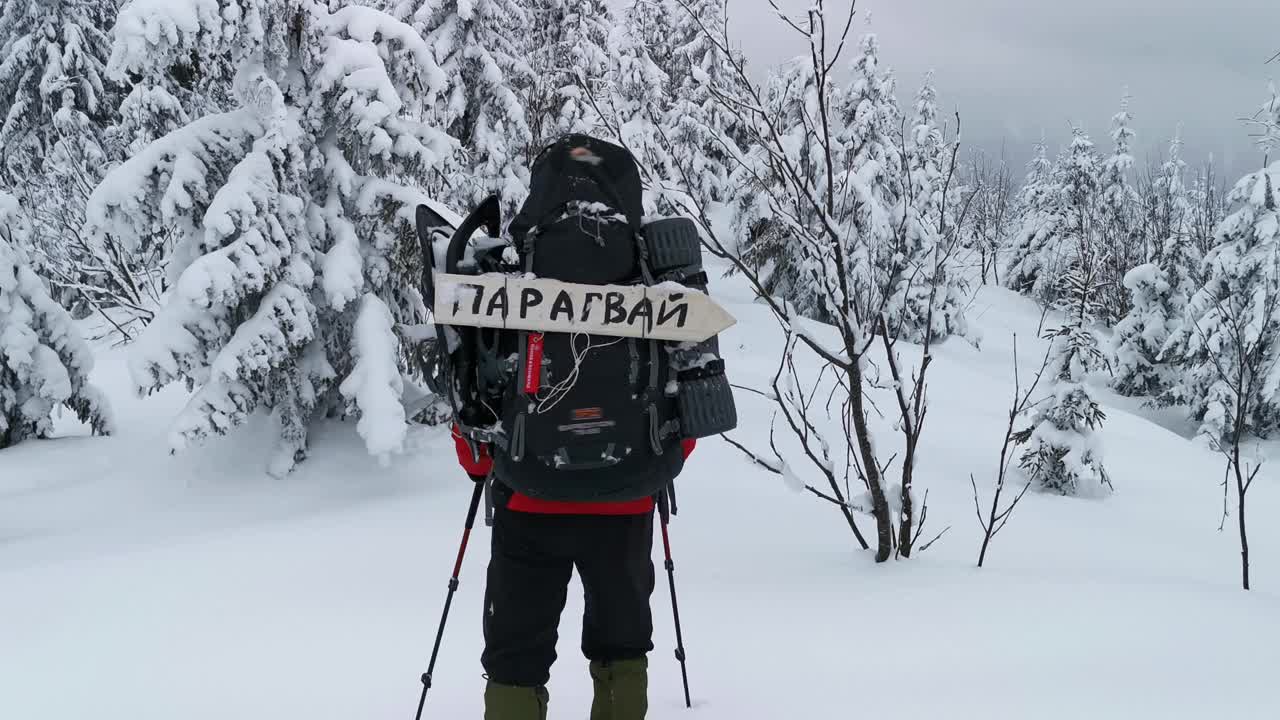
(590, 438)
(536, 545)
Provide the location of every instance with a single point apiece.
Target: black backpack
(585, 417)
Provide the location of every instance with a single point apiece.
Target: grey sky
(1016, 67)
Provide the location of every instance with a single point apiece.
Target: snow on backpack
(585, 417)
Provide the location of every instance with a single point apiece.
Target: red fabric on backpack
(523, 503)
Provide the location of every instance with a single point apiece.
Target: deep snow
(140, 585)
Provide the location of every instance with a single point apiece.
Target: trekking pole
(453, 588)
(664, 512)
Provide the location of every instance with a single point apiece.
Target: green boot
(508, 702)
(621, 690)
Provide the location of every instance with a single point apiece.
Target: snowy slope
(139, 585)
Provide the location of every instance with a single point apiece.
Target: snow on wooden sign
(668, 311)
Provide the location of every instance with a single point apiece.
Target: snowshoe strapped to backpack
(586, 417)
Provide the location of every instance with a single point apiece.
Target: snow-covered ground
(139, 585)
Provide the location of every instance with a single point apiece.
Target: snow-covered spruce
(1208, 211)
(569, 50)
(700, 127)
(1118, 216)
(44, 363)
(56, 142)
(1159, 291)
(640, 92)
(1034, 254)
(1061, 451)
(869, 169)
(477, 45)
(926, 301)
(290, 206)
(1171, 212)
(1060, 228)
(1234, 314)
(870, 173)
(768, 244)
(52, 57)
(1141, 335)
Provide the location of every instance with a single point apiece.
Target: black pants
(533, 559)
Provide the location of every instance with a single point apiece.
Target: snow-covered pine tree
(44, 363)
(653, 24)
(52, 57)
(1172, 211)
(1118, 217)
(570, 56)
(1084, 249)
(477, 46)
(1235, 315)
(155, 106)
(926, 301)
(926, 152)
(640, 92)
(296, 255)
(55, 143)
(1179, 255)
(1159, 290)
(700, 128)
(1062, 453)
(1207, 208)
(1140, 335)
(791, 99)
(869, 182)
(1035, 260)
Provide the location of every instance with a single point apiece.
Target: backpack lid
(580, 168)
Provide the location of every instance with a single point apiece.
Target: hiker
(536, 545)
(591, 437)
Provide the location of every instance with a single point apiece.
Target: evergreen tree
(1207, 209)
(870, 182)
(641, 91)
(1235, 315)
(1062, 454)
(1141, 335)
(1172, 211)
(1159, 290)
(1078, 176)
(700, 128)
(475, 43)
(1034, 254)
(44, 364)
(1117, 224)
(652, 23)
(571, 64)
(927, 298)
(791, 98)
(52, 60)
(296, 256)
(56, 143)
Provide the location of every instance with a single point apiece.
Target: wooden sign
(663, 312)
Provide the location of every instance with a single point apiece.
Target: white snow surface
(141, 585)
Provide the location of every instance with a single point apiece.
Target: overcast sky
(1014, 68)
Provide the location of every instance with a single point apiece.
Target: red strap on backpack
(533, 364)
